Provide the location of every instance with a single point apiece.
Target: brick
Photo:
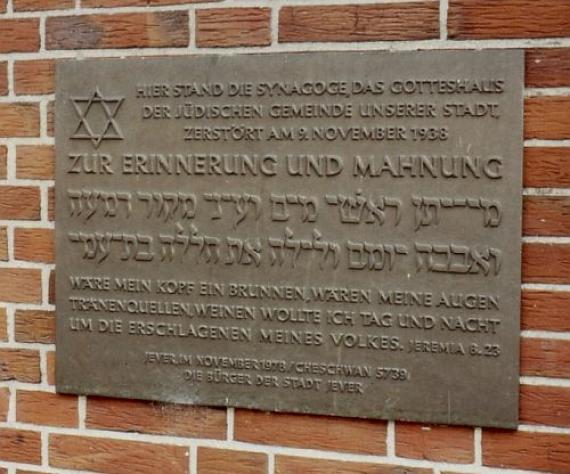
(3, 325)
(34, 77)
(3, 6)
(4, 402)
(19, 119)
(116, 456)
(372, 22)
(20, 446)
(474, 19)
(435, 443)
(35, 162)
(31, 5)
(546, 263)
(34, 245)
(51, 118)
(34, 326)
(51, 290)
(3, 244)
(545, 405)
(19, 471)
(546, 215)
(531, 451)
(547, 118)
(224, 27)
(20, 285)
(545, 310)
(20, 202)
(311, 432)
(51, 203)
(294, 465)
(122, 30)
(547, 167)
(156, 418)
(3, 162)
(548, 67)
(21, 365)
(20, 35)
(545, 357)
(3, 78)
(50, 356)
(137, 3)
(45, 408)
(224, 461)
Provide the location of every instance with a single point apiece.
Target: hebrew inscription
(333, 233)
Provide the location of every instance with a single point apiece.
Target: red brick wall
(44, 432)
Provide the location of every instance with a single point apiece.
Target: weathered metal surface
(333, 233)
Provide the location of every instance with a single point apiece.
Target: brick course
(545, 357)
(44, 408)
(35, 162)
(3, 244)
(538, 451)
(319, 432)
(115, 456)
(35, 5)
(34, 326)
(136, 30)
(545, 310)
(3, 325)
(547, 167)
(3, 162)
(19, 35)
(3, 78)
(34, 77)
(20, 446)
(34, 245)
(547, 67)
(224, 461)
(222, 27)
(157, 418)
(22, 365)
(545, 405)
(342, 23)
(473, 19)
(20, 285)
(19, 202)
(436, 443)
(19, 120)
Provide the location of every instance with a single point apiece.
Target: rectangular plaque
(333, 233)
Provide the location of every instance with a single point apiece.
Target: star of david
(105, 129)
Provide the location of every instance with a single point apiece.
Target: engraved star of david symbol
(97, 118)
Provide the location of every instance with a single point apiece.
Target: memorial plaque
(333, 233)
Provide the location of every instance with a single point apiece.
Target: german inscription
(334, 233)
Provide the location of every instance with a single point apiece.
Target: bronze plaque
(334, 233)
